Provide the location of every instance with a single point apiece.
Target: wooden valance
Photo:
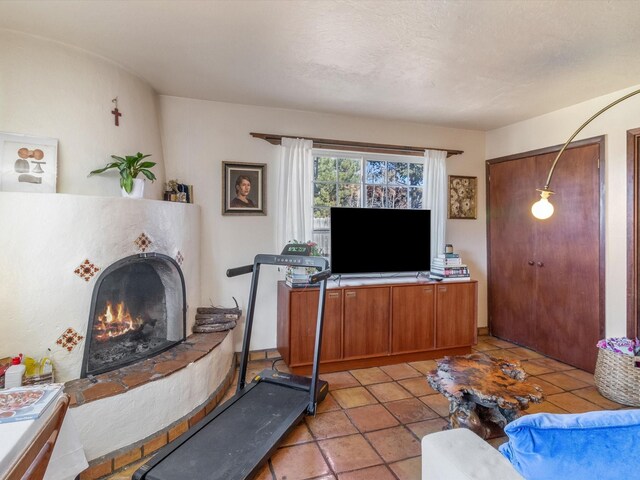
(356, 146)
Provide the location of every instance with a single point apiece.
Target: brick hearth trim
(118, 459)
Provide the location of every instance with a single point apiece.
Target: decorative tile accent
(179, 258)
(69, 339)
(86, 270)
(143, 242)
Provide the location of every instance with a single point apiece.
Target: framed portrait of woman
(243, 189)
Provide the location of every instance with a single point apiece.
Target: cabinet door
(366, 321)
(304, 313)
(412, 327)
(456, 314)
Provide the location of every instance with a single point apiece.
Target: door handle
(541, 264)
(530, 262)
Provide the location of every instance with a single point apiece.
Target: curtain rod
(356, 146)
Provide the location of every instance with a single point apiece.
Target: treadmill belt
(234, 442)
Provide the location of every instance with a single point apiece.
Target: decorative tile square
(143, 242)
(69, 339)
(86, 270)
(179, 258)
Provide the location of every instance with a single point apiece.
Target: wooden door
(304, 312)
(412, 327)
(511, 244)
(567, 259)
(366, 321)
(548, 272)
(456, 318)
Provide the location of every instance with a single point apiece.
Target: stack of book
(296, 278)
(449, 267)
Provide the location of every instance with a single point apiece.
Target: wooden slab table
(484, 393)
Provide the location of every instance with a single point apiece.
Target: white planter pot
(137, 191)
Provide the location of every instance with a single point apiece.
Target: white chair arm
(460, 454)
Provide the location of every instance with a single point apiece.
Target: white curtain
(294, 218)
(435, 197)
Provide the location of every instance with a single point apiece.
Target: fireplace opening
(138, 309)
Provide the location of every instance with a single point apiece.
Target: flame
(113, 324)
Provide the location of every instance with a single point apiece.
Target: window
(365, 181)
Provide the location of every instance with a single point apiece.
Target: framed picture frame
(463, 197)
(243, 188)
(28, 163)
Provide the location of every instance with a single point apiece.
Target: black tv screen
(374, 240)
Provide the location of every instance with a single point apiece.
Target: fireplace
(138, 309)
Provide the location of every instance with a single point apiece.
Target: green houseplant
(129, 167)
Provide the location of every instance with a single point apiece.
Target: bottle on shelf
(15, 373)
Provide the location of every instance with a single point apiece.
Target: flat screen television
(375, 240)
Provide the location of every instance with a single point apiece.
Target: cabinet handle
(428, 289)
(541, 264)
(334, 295)
(530, 262)
(350, 294)
(442, 289)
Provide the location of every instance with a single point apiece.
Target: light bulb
(542, 209)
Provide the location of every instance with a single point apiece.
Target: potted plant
(130, 167)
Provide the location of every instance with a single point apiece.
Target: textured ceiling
(469, 64)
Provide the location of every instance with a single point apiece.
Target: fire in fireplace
(138, 310)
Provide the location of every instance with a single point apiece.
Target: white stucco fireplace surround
(45, 239)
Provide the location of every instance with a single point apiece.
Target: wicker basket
(618, 378)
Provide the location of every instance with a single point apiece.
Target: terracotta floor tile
(438, 403)
(387, 392)
(300, 434)
(410, 410)
(299, 462)
(547, 388)
(484, 347)
(499, 343)
(400, 371)
(371, 417)
(354, 397)
(409, 469)
(331, 424)
(349, 453)
(594, 396)
(535, 369)
(424, 366)
(329, 404)
(380, 472)
(417, 386)
(572, 403)
(420, 429)
(127, 473)
(394, 444)
(544, 407)
(581, 375)
(554, 365)
(338, 380)
(525, 352)
(368, 376)
(508, 353)
(564, 381)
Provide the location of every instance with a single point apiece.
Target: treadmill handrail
(234, 272)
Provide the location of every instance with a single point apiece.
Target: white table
(67, 458)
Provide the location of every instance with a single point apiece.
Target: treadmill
(235, 440)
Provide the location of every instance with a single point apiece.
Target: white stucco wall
(51, 90)
(554, 129)
(198, 136)
(47, 236)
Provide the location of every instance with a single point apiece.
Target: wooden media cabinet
(377, 324)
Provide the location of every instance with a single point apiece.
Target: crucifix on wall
(116, 112)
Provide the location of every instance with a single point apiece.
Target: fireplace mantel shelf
(196, 346)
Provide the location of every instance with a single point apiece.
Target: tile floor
(371, 423)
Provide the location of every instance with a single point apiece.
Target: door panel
(511, 261)
(456, 314)
(412, 318)
(366, 321)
